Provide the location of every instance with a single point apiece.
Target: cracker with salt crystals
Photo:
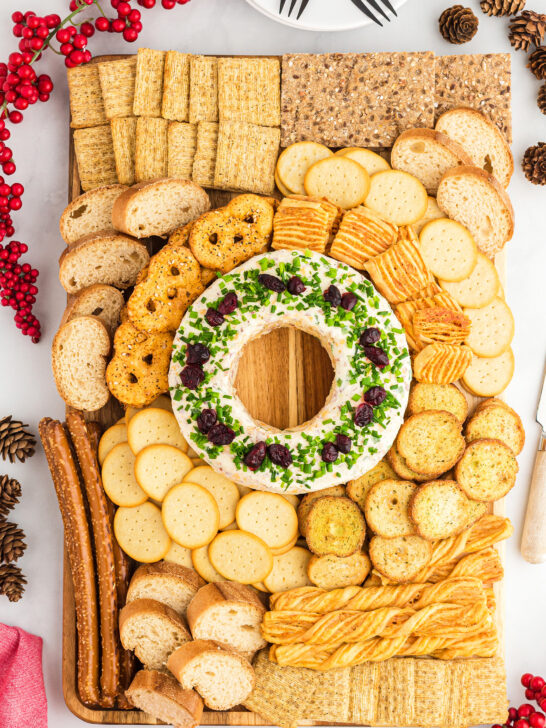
(151, 151)
(124, 141)
(355, 99)
(95, 156)
(117, 81)
(204, 162)
(182, 143)
(86, 104)
(249, 90)
(149, 82)
(481, 82)
(176, 87)
(246, 157)
(203, 89)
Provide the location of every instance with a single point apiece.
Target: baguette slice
(78, 358)
(427, 155)
(159, 206)
(168, 583)
(102, 302)
(476, 200)
(221, 676)
(161, 696)
(89, 213)
(152, 630)
(481, 139)
(105, 257)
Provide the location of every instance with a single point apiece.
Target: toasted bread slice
(161, 696)
(89, 213)
(386, 508)
(474, 511)
(168, 583)
(431, 441)
(400, 559)
(487, 470)
(439, 509)
(309, 498)
(402, 469)
(497, 421)
(335, 526)
(103, 302)
(437, 397)
(358, 488)
(336, 572)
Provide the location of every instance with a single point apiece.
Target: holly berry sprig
(527, 716)
(20, 88)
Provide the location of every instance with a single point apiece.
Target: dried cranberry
(343, 443)
(271, 282)
(348, 301)
(221, 435)
(363, 415)
(192, 376)
(369, 337)
(228, 304)
(377, 356)
(280, 455)
(332, 295)
(255, 456)
(206, 420)
(197, 353)
(374, 396)
(329, 452)
(213, 317)
(295, 286)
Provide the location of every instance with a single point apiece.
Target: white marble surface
(40, 145)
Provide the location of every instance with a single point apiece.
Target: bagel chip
(437, 397)
(337, 572)
(400, 559)
(431, 441)
(439, 510)
(335, 526)
(357, 489)
(497, 421)
(386, 508)
(487, 470)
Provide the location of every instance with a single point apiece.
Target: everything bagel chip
(362, 235)
(440, 324)
(441, 363)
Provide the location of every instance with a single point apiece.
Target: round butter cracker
(118, 477)
(289, 571)
(140, 533)
(159, 467)
(154, 426)
(112, 437)
(190, 515)
(224, 491)
(270, 517)
(241, 556)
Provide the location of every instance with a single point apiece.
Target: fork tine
(389, 6)
(364, 9)
(292, 5)
(379, 9)
(303, 5)
(283, 3)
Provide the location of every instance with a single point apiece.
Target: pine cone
(526, 29)
(534, 164)
(10, 492)
(15, 441)
(12, 542)
(458, 24)
(541, 100)
(12, 582)
(537, 63)
(502, 7)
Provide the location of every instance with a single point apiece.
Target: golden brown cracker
(117, 81)
(124, 141)
(176, 87)
(203, 89)
(151, 151)
(182, 143)
(149, 82)
(249, 90)
(95, 156)
(246, 157)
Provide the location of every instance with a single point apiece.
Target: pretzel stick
(78, 544)
(103, 538)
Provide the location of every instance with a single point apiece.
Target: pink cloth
(22, 694)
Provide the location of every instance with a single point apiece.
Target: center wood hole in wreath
(284, 377)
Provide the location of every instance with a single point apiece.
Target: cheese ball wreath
(372, 372)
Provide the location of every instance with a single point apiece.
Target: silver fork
(362, 5)
(303, 5)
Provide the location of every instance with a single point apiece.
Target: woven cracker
(124, 141)
(86, 104)
(117, 81)
(355, 99)
(249, 89)
(203, 89)
(95, 156)
(176, 87)
(149, 82)
(204, 162)
(482, 82)
(182, 143)
(151, 150)
(246, 157)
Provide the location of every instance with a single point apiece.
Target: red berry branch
(527, 716)
(21, 87)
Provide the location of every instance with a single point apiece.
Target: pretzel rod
(103, 539)
(80, 554)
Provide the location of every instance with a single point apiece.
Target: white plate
(321, 15)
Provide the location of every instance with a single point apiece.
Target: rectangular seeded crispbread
(480, 81)
(182, 143)
(355, 99)
(95, 156)
(124, 141)
(246, 157)
(86, 104)
(249, 90)
(117, 81)
(176, 87)
(204, 162)
(148, 82)
(203, 89)
(151, 151)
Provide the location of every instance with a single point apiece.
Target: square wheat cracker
(151, 150)
(95, 156)
(124, 141)
(182, 143)
(149, 82)
(203, 89)
(176, 87)
(117, 81)
(249, 89)
(246, 157)
(204, 162)
(86, 104)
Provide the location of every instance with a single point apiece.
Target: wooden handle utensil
(533, 542)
